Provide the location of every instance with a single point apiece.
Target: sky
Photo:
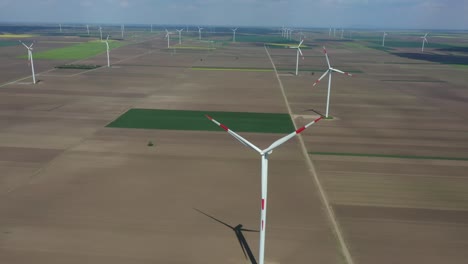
(375, 14)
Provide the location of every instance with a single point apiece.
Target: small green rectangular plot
(196, 120)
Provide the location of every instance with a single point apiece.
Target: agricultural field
(120, 165)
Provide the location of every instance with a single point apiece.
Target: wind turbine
(383, 39)
(107, 46)
(100, 31)
(168, 36)
(334, 32)
(329, 72)
(30, 58)
(329, 32)
(298, 47)
(234, 34)
(199, 33)
(87, 29)
(265, 153)
(60, 25)
(342, 31)
(122, 29)
(424, 40)
(180, 35)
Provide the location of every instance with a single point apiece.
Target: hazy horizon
(371, 14)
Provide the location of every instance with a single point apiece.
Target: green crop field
(8, 43)
(77, 52)
(196, 120)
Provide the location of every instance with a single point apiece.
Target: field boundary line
(323, 195)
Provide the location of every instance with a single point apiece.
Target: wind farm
(130, 162)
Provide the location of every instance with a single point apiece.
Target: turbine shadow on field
(315, 111)
(240, 236)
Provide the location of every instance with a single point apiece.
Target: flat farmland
(74, 190)
(393, 160)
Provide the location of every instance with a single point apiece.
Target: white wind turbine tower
(424, 40)
(329, 32)
(180, 35)
(100, 31)
(383, 39)
(329, 71)
(122, 29)
(234, 34)
(290, 33)
(199, 33)
(168, 36)
(334, 32)
(30, 58)
(60, 25)
(298, 47)
(107, 46)
(342, 32)
(265, 153)
(87, 29)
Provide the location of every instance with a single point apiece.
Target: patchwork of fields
(79, 182)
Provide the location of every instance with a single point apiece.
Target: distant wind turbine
(100, 31)
(30, 58)
(122, 29)
(234, 34)
(180, 35)
(298, 47)
(199, 33)
(383, 39)
(107, 47)
(168, 36)
(329, 71)
(87, 29)
(60, 25)
(342, 32)
(424, 40)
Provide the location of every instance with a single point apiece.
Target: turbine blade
(241, 245)
(217, 220)
(235, 135)
(300, 43)
(321, 77)
(326, 56)
(249, 230)
(284, 139)
(342, 72)
(300, 52)
(24, 44)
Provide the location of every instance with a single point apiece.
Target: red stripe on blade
(262, 224)
(224, 127)
(263, 204)
(209, 117)
(300, 130)
(318, 119)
